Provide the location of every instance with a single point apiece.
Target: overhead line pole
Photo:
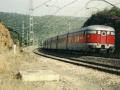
(23, 32)
(31, 35)
(31, 32)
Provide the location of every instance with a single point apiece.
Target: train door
(103, 37)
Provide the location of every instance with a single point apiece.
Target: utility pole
(31, 31)
(23, 32)
(69, 25)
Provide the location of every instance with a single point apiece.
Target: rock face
(5, 37)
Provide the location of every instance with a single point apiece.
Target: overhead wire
(65, 6)
(59, 8)
(42, 4)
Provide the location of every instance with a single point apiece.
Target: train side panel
(54, 43)
(76, 41)
(48, 43)
(62, 42)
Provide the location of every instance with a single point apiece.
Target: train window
(76, 39)
(108, 33)
(91, 32)
(98, 32)
(112, 33)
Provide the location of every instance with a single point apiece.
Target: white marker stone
(38, 75)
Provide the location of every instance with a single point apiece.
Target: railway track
(103, 64)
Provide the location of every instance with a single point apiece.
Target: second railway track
(87, 62)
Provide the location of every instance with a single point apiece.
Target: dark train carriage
(62, 42)
(47, 44)
(54, 42)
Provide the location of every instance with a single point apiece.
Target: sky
(77, 8)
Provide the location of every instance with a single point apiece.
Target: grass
(11, 63)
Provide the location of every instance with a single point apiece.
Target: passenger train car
(91, 38)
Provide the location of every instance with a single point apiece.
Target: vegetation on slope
(50, 26)
(44, 26)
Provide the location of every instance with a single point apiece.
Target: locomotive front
(100, 37)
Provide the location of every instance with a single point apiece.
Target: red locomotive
(91, 38)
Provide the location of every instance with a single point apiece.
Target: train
(94, 38)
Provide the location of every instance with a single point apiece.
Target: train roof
(99, 27)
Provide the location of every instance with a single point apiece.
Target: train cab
(100, 37)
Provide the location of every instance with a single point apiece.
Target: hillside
(44, 26)
(5, 37)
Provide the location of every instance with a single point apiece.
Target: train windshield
(91, 32)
